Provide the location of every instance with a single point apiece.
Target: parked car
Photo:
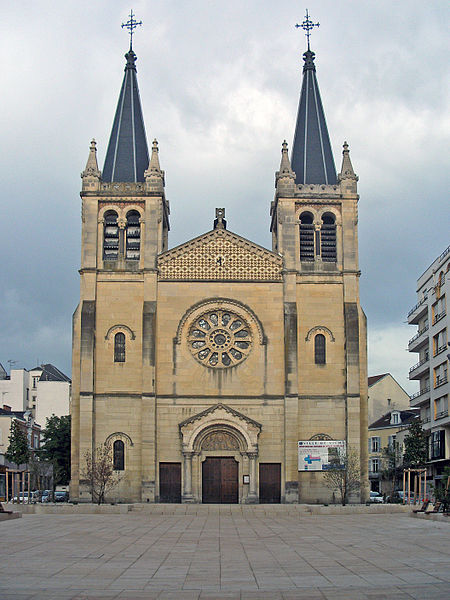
(47, 496)
(61, 497)
(22, 498)
(376, 497)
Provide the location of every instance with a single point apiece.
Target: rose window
(220, 338)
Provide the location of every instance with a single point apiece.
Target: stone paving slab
(224, 555)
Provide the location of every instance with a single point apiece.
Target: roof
(127, 154)
(312, 158)
(406, 418)
(375, 378)
(17, 414)
(51, 373)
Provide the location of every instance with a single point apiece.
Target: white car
(376, 497)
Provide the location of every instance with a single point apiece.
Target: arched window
(118, 455)
(328, 238)
(319, 349)
(110, 236)
(306, 237)
(133, 233)
(119, 347)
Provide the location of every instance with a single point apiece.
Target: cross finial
(131, 25)
(307, 25)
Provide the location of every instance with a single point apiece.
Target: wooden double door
(220, 480)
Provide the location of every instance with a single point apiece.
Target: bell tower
(314, 225)
(125, 224)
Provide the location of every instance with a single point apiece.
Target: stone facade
(209, 351)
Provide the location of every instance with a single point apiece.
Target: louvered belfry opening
(133, 234)
(306, 237)
(110, 236)
(328, 238)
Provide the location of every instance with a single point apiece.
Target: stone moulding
(225, 419)
(119, 435)
(220, 256)
(223, 304)
(120, 328)
(319, 329)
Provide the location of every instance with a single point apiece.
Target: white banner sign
(319, 455)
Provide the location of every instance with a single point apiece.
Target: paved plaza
(224, 555)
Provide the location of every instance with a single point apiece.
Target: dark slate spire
(127, 155)
(312, 158)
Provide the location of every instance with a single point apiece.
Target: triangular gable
(216, 408)
(220, 255)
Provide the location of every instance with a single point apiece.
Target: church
(219, 371)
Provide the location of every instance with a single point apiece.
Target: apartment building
(431, 370)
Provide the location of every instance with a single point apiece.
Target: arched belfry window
(118, 455)
(110, 236)
(328, 238)
(319, 349)
(119, 347)
(133, 235)
(306, 237)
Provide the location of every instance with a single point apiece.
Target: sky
(219, 85)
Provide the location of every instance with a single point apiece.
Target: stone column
(187, 477)
(252, 497)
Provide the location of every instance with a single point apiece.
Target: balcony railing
(439, 350)
(418, 334)
(420, 392)
(426, 420)
(442, 414)
(419, 364)
(439, 316)
(440, 381)
(417, 305)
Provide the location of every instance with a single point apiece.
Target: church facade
(205, 365)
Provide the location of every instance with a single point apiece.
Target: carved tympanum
(220, 440)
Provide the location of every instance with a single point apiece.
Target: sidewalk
(224, 554)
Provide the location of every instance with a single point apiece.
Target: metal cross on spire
(307, 25)
(131, 25)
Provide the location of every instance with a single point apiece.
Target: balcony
(418, 311)
(420, 397)
(418, 340)
(417, 370)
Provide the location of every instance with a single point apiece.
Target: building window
(110, 236)
(36, 441)
(319, 349)
(306, 237)
(118, 455)
(441, 407)
(328, 238)
(439, 342)
(395, 418)
(374, 465)
(133, 235)
(374, 444)
(438, 309)
(438, 444)
(391, 442)
(440, 375)
(35, 380)
(119, 347)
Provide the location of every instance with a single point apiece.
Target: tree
(391, 466)
(99, 472)
(344, 474)
(18, 451)
(56, 447)
(416, 446)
